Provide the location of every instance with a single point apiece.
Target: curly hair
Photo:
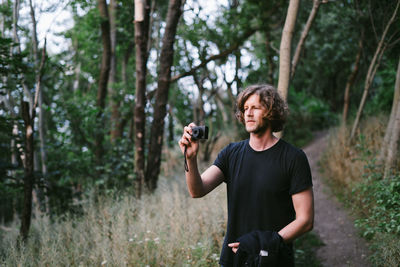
(277, 109)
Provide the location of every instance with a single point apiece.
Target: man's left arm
(303, 203)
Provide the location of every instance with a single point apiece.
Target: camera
(199, 132)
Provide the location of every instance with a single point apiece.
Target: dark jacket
(263, 248)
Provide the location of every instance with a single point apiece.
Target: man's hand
(192, 147)
(234, 246)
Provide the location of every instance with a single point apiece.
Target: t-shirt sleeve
(222, 161)
(301, 174)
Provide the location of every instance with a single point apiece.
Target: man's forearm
(295, 229)
(193, 179)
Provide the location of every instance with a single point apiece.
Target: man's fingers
(187, 129)
(233, 245)
(187, 136)
(186, 139)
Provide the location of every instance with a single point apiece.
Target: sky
(53, 17)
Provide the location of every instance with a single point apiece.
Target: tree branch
(223, 54)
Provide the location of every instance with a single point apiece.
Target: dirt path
(333, 224)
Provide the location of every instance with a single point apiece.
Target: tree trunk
(16, 40)
(157, 128)
(28, 171)
(221, 107)
(2, 19)
(171, 142)
(350, 82)
(238, 66)
(388, 152)
(285, 48)
(142, 16)
(304, 34)
(199, 113)
(125, 62)
(115, 120)
(270, 60)
(28, 115)
(389, 129)
(41, 129)
(392, 152)
(103, 79)
(373, 67)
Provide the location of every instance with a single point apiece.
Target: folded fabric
(262, 248)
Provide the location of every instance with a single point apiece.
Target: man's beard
(259, 128)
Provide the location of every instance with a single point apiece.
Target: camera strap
(186, 166)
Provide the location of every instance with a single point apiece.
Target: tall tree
(41, 128)
(103, 79)
(28, 112)
(285, 48)
(373, 67)
(304, 34)
(350, 81)
(116, 131)
(389, 147)
(142, 15)
(164, 79)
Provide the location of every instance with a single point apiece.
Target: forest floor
(333, 224)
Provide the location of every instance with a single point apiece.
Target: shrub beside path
(332, 223)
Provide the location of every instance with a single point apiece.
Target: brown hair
(277, 109)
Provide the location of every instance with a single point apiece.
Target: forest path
(332, 222)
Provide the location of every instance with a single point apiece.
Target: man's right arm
(198, 185)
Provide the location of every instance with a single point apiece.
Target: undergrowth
(357, 178)
(165, 229)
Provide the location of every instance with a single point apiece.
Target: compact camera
(199, 132)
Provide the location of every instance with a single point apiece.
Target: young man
(269, 187)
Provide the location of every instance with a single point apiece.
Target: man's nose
(249, 112)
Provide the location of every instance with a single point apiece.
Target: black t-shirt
(260, 185)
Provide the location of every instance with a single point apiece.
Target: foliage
(305, 247)
(382, 198)
(307, 114)
(382, 93)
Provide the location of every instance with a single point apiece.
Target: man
(269, 187)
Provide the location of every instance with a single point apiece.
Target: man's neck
(262, 141)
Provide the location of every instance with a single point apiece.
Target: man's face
(254, 113)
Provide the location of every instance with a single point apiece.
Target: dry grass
(165, 229)
(344, 163)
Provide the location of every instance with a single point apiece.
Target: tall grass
(357, 178)
(165, 229)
